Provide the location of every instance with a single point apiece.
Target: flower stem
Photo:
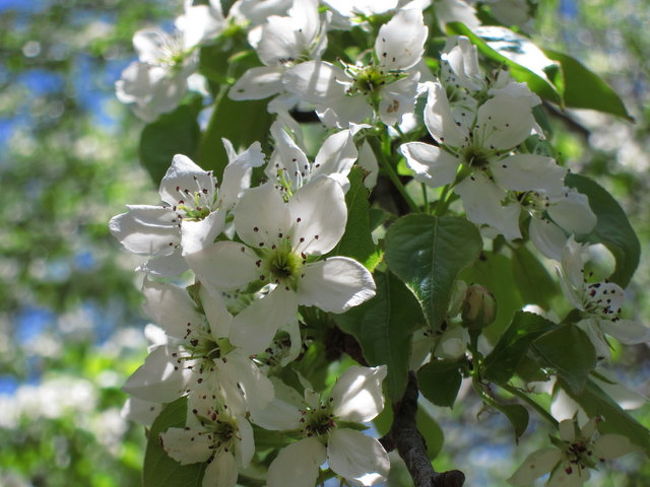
(540, 410)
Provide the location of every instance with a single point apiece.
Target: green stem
(425, 197)
(540, 410)
(382, 149)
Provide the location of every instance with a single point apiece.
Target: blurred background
(70, 321)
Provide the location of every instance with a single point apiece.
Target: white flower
(291, 169)
(281, 243)
(483, 148)
(214, 435)
(193, 213)
(600, 303)
(455, 11)
(283, 41)
(200, 23)
(255, 12)
(387, 86)
(575, 452)
(360, 459)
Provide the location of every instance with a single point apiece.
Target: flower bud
(479, 307)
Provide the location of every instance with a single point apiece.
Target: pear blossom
(291, 169)
(214, 434)
(354, 93)
(455, 11)
(256, 12)
(283, 42)
(599, 302)
(360, 459)
(483, 150)
(576, 451)
(198, 359)
(193, 211)
(281, 245)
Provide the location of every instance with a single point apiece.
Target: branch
(405, 437)
(568, 120)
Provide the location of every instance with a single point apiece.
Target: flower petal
(197, 235)
(316, 82)
(170, 307)
(221, 472)
(158, 379)
(256, 387)
(297, 465)
(225, 265)
(503, 122)
(215, 310)
(526, 172)
(568, 475)
(400, 41)
(439, 119)
(431, 165)
(573, 213)
(357, 394)
(318, 215)
(627, 332)
(336, 284)
(261, 217)
(254, 328)
(184, 178)
(536, 464)
(359, 458)
(245, 448)
(258, 83)
(613, 446)
(186, 446)
(147, 230)
(336, 156)
(547, 237)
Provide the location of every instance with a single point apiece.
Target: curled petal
(357, 394)
(431, 165)
(186, 446)
(221, 472)
(536, 464)
(297, 465)
(359, 458)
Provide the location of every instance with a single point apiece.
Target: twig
(405, 437)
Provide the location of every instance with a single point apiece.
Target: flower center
(317, 422)
(283, 265)
(476, 157)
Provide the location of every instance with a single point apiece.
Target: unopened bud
(479, 307)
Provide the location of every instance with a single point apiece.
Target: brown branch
(405, 437)
(571, 123)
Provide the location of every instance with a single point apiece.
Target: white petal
(157, 379)
(237, 174)
(368, 161)
(359, 458)
(526, 172)
(567, 430)
(147, 230)
(279, 414)
(627, 332)
(186, 446)
(222, 471)
(503, 122)
(139, 411)
(215, 310)
(316, 82)
(573, 213)
(357, 394)
(256, 387)
(183, 177)
(547, 237)
(134, 83)
(439, 119)
(456, 11)
(536, 464)
(463, 61)
(400, 41)
(287, 157)
(398, 99)
(254, 328)
(285, 39)
(261, 217)
(482, 201)
(613, 446)
(344, 111)
(297, 465)
(149, 43)
(318, 215)
(200, 23)
(258, 83)
(246, 445)
(431, 165)
(225, 265)
(568, 475)
(170, 307)
(165, 265)
(199, 235)
(335, 284)
(337, 155)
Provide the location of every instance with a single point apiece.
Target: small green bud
(479, 307)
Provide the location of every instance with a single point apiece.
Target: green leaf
(612, 229)
(427, 253)
(581, 88)
(357, 240)
(517, 415)
(596, 402)
(569, 351)
(242, 122)
(383, 327)
(535, 82)
(439, 382)
(494, 271)
(433, 435)
(533, 281)
(173, 133)
(513, 345)
(159, 469)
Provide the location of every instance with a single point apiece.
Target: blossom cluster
(260, 243)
